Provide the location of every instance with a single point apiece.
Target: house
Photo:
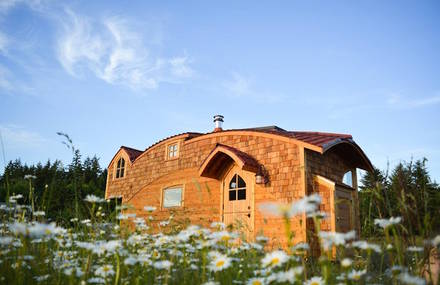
(225, 174)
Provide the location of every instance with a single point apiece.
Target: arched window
(347, 179)
(120, 168)
(237, 188)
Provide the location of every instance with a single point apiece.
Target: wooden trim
(303, 165)
(324, 180)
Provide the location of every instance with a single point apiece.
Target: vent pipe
(218, 120)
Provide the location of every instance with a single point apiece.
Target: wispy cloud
(5, 83)
(115, 53)
(17, 137)
(396, 100)
(240, 85)
(3, 43)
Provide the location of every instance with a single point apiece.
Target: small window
(237, 188)
(172, 197)
(120, 168)
(348, 178)
(172, 151)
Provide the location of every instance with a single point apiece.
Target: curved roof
(317, 141)
(215, 162)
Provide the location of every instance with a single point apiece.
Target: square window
(172, 151)
(172, 197)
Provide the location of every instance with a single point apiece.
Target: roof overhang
(221, 157)
(349, 149)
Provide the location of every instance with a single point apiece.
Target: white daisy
(93, 199)
(346, 262)
(384, 223)
(317, 280)
(219, 263)
(256, 281)
(274, 259)
(329, 239)
(436, 241)
(165, 264)
(409, 279)
(105, 271)
(356, 275)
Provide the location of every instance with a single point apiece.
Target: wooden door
(237, 201)
(344, 210)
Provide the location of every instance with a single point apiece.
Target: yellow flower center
(47, 232)
(106, 268)
(275, 261)
(356, 277)
(314, 283)
(257, 282)
(225, 238)
(220, 263)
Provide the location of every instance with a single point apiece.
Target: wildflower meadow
(104, 249)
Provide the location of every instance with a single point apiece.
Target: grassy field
(100, 250)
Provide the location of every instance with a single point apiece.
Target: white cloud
(239, 85)
(16, 136)
(396, 100)
(5, 5)
(115, 53)
(243, 86)
(5, 83)
(3, 43)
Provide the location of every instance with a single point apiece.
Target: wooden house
(224, 175)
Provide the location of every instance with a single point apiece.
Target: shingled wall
(150, 173)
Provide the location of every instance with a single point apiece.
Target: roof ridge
(131, 148)
(322, 133)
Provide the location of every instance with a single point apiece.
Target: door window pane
(241, 183)
(241, 194)
(233, 183)
(232, 195)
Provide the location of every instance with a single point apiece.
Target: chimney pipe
(218, 120)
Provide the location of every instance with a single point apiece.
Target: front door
(237, 201)
(344, 209)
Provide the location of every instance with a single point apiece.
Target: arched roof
(348, 149)
(221, 157)
(317, 141)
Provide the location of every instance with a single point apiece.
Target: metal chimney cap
(218, 118)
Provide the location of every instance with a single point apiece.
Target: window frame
(124, 168)
(182, 195)
(349, 175)
(237, 189)
(177, 151)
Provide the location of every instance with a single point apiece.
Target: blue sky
(112, 73)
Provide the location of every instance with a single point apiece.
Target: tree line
(407, 191)
(56, 189)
